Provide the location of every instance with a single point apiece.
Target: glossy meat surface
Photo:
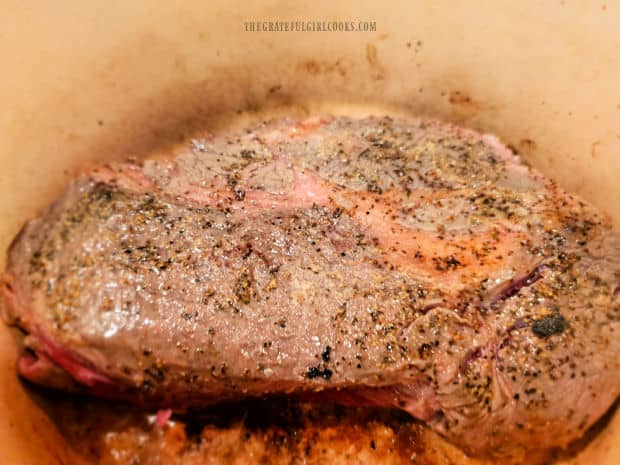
(380, 262)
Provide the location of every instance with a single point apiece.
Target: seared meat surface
(380, 262)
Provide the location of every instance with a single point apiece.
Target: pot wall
(93, 81)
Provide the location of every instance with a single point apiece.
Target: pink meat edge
(98, 383)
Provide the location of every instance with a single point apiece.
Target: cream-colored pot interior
(89, 81)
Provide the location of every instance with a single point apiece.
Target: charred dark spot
(550, 325)
(248, 251)
(155, 372)
(425, 350)
(326, 354)
(316, 372)
(446, 263)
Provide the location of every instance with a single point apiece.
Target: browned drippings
(275, 431)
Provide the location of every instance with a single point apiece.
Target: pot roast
(382, 262)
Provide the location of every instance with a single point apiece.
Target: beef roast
(385, 262)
